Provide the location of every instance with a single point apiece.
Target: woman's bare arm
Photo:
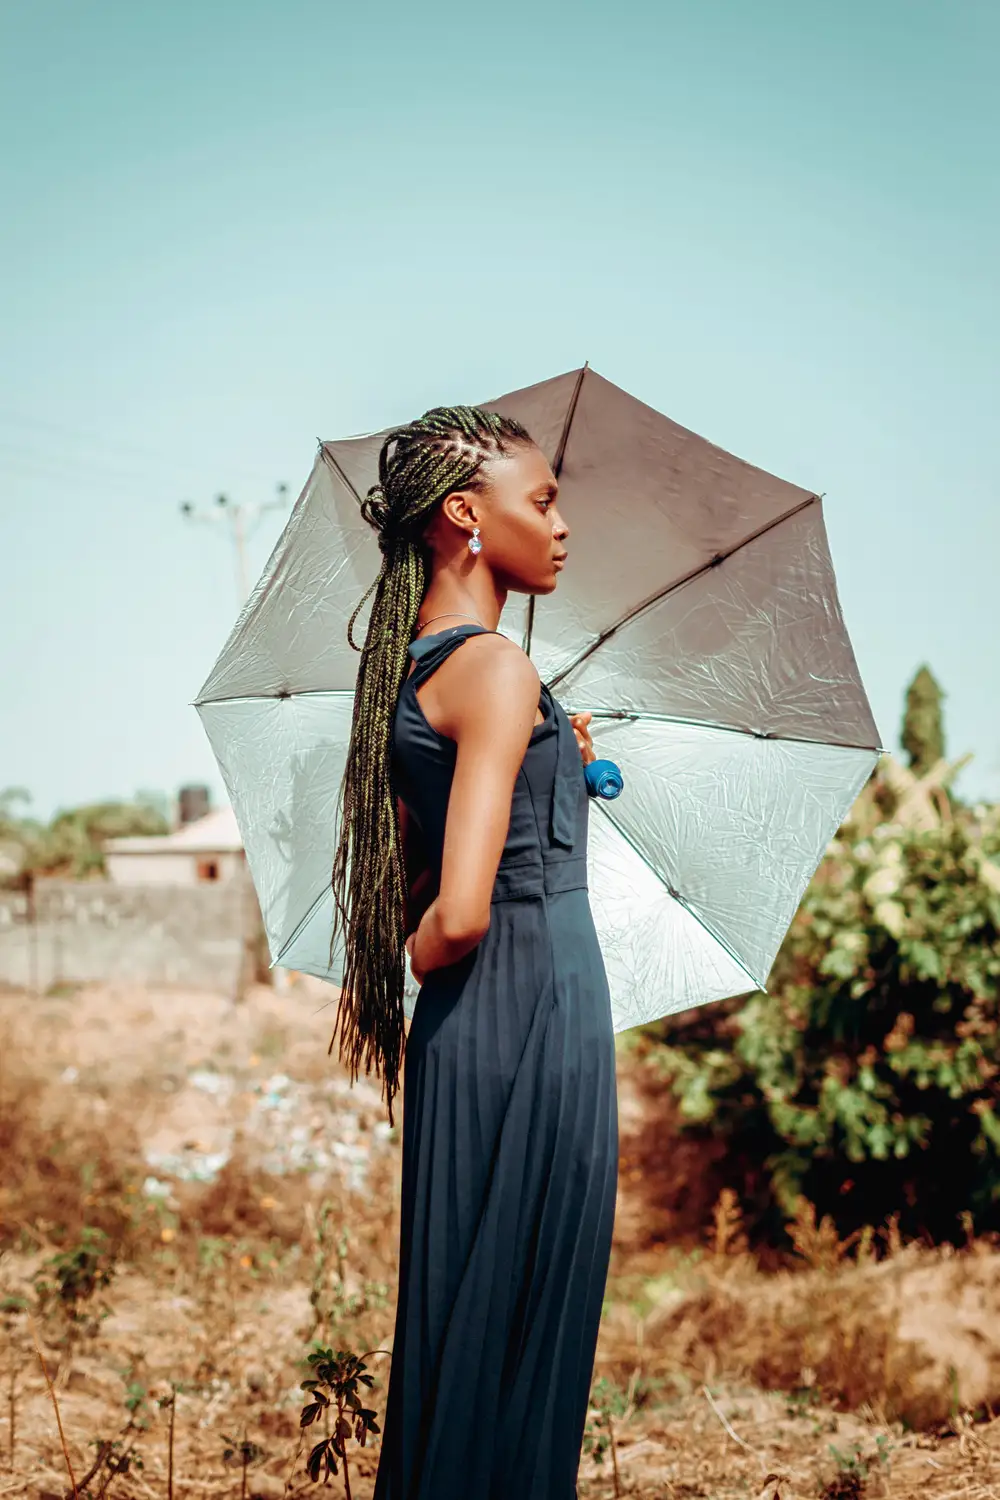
(490, 700)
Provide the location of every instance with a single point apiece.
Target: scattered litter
(293, 1128)
(219, 1085)
(193, 1166)
(154, 1188)
(275, 1093)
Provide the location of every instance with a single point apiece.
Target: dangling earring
(475, 545)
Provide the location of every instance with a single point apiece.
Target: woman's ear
(462, 508)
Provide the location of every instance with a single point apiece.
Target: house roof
(215, 833)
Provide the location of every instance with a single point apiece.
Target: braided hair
(419, 464)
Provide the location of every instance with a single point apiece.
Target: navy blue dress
(510, 1145)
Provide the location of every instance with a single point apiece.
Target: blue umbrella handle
(604, 779)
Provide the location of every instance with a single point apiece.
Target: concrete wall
(205, 936)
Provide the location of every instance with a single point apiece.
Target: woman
(465, 818)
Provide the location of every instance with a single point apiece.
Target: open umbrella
(698, 621)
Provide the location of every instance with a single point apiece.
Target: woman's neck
(480, 601)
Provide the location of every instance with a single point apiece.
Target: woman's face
(522, 533)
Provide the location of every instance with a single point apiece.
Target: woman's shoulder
(490, 652)
(489, 674)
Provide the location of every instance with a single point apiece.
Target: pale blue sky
(229, 228)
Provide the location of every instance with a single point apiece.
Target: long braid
(418, 466)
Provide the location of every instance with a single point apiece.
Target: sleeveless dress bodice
(546, 845)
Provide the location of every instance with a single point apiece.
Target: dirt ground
(248, 1196)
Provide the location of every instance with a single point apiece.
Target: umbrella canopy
(698, 620)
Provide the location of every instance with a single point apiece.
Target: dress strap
(430, 651)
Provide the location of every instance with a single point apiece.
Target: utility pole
(242, 521)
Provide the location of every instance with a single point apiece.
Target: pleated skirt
(509, 1182)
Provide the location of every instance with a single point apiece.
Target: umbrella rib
(713, 562)
(276, 697)
(675, 895)
(560, 453)
(613, 714)
(314, 908)
(557, 463)
(335, 466)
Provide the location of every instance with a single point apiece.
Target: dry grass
(718, 1379)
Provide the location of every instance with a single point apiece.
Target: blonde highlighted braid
(418, 466)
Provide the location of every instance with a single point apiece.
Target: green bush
(867, 1078)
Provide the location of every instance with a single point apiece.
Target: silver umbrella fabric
(697, 619)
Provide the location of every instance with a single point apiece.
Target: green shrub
(867, 1079)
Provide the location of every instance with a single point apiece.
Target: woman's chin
(545, 586)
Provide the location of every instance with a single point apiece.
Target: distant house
(206, 849)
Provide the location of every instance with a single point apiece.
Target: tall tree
(923, 722)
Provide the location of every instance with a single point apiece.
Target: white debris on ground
(289, 1126)
(171, 1050)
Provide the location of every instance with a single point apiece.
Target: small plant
(606, 1403)
(854, 1470)
(117, 1455)
(11, 1310)
(727, 1235)
(331, 1301)
(334, 1392)
(136, 1404)
(891, 1235)
(864, 1250)
(212, 1253)
(74, 1277)
(169, 1403)
(802, 1398)
(819, 1245)
(244, 1453)
(113, 1458)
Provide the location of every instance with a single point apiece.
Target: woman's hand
(418, 977)
(419, 897)
(579, 723)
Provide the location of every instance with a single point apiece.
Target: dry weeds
(248, 1204)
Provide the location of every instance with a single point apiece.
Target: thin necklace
(452, 614)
